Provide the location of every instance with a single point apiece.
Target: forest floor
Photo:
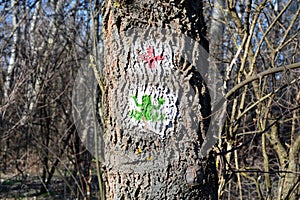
(29, 188)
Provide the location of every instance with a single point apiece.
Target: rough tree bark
(154, 156)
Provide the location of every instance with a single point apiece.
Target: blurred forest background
(255, 44)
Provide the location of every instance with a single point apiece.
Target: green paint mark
(147, 109)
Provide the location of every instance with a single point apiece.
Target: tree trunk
(157, 106)
(13, 55)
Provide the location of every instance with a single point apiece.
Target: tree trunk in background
(150, 159)
(216, 57)
(13, 55)
(9, 78)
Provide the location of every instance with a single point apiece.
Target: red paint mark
(150, 57)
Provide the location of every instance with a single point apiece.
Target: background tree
(43, 45)
(260, 141)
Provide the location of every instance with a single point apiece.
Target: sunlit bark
(178, 174)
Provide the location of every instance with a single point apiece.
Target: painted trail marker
(159, 101)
